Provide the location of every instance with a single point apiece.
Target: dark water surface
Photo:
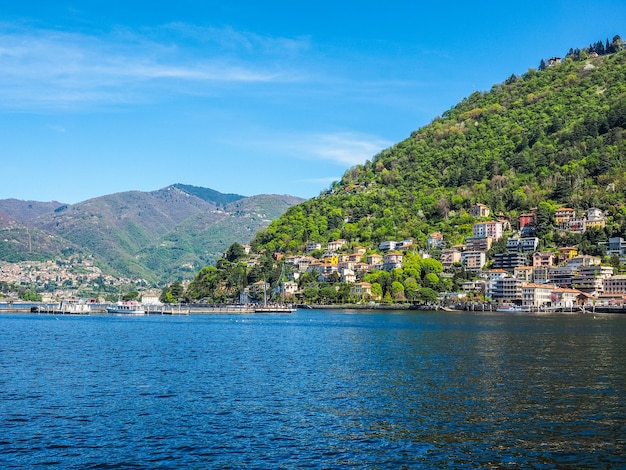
(313, 390)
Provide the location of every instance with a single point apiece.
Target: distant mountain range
(160, 235)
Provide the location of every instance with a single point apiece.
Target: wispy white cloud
(346, 148)
(228, 39)
(51, 68)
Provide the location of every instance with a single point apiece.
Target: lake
(315, 389)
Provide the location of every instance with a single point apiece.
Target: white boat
(275, 309)
(127, 308)
(512, 309)
(66, 307)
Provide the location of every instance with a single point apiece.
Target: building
(597, 270)
(478, 243)
(577, 224)
(493, 275)
(528, 219)
(449, 258)
(580, 261)
(564, 298)
(404, 244)
(562, 275)
(616, 246)
(537, 295)
(392, 261)
(473, 260)
(524, 273)
(313, 246)
(595, 218)
(374, 259)
(507, 290)
(476, 287)
(592, 285)
(348, 276)
(387, 245)
(509, 261)
(567, 253)
(541, 274)
(434, 241)
(488, 229)
(336, 245)
(361, 290)
(525, 244)
(150, 298)
(615, 284)
(480, 210)
(562, 217)
(290, 288)
(543, 259)
(360, 250)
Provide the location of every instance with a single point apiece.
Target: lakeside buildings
(521, 273)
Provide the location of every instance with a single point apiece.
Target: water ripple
(313, 390)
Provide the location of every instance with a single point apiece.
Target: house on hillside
(528, 219)
(361, 290)
(313, 246)
(615, 246)
(336, 245)
(392, 261)
(387, 245)
(562, 217)
(543, 259)
(374, 259)
(480, 210)
(450, 257)
(435, 241)
(473, 260)
(595, 218)
(488, 229)
(567, 253)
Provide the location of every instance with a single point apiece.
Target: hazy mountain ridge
(153, 235)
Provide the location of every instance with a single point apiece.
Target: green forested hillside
(554, 136)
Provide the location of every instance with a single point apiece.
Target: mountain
(157, 235)
(546, 138)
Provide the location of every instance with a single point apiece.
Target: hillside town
(53, 280)
(519, 277)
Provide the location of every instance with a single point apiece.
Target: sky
(249, 97)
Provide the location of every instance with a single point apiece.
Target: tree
(235, 252)
(427, 294)
(545, 219)
(617, 44)
(132, 295)
(377, 291)
(397, 291)
(411, 288)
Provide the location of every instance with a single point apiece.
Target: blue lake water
(316, 389)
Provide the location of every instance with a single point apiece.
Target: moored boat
(127, 308)
(274, 309)
(512, 309)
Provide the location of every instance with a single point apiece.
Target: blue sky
(98, 97)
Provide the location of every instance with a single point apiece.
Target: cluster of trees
(419, 280)
(598, 47)
(26, 293)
